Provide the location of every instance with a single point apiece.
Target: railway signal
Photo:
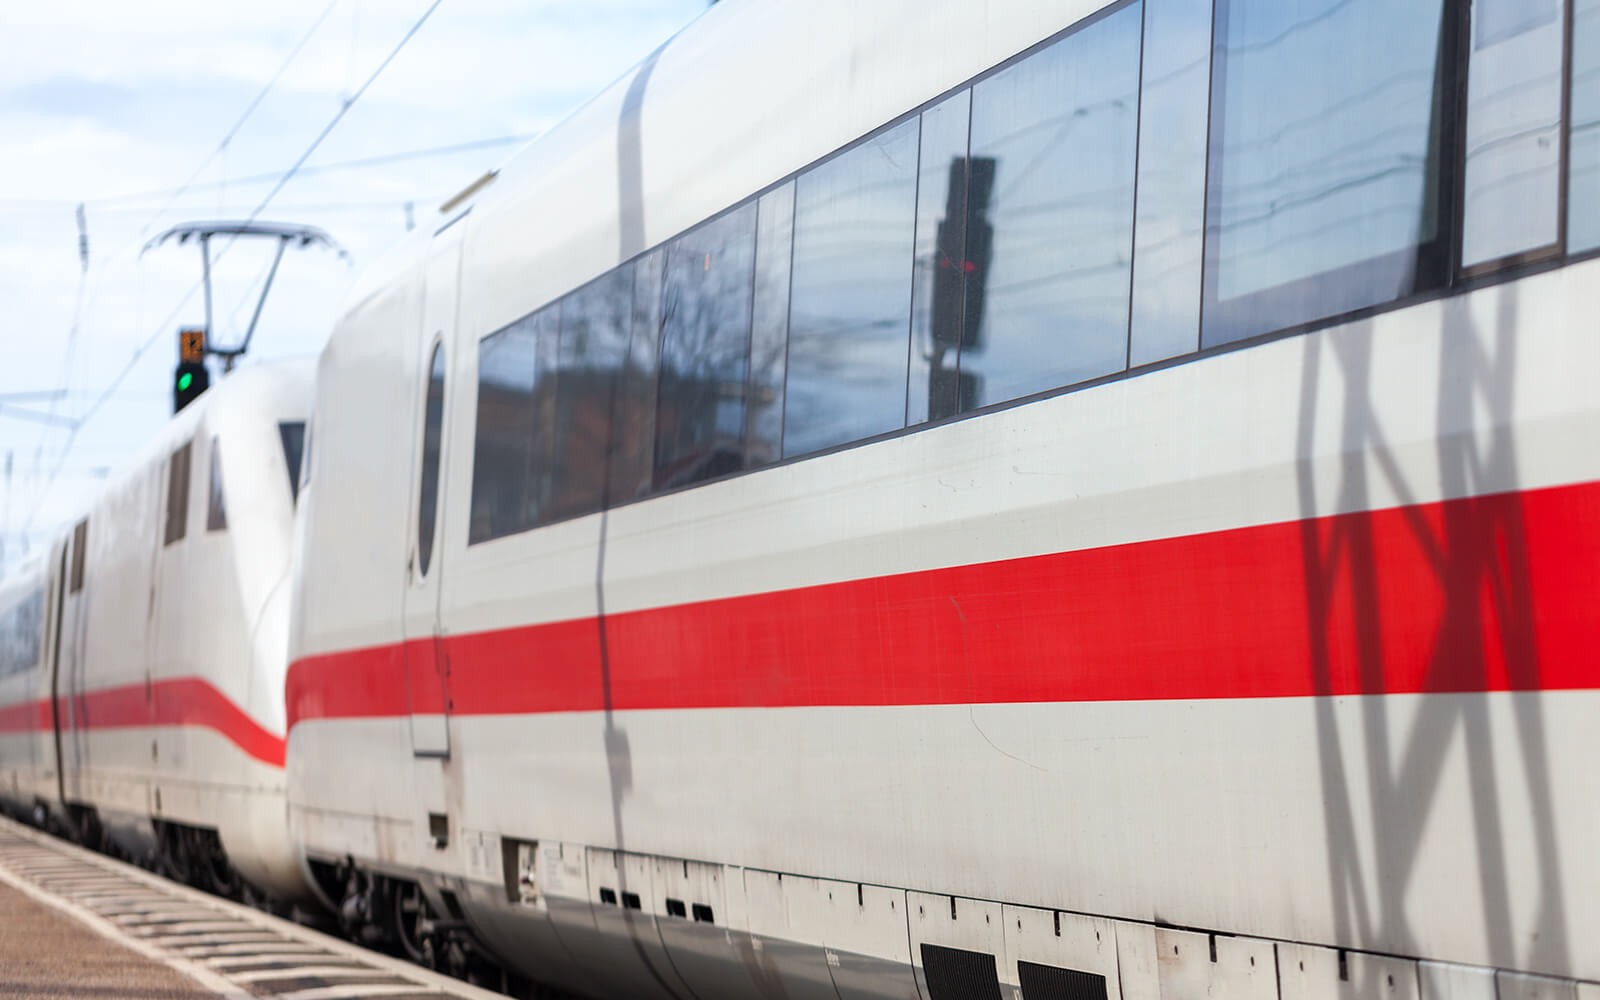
(190, 378)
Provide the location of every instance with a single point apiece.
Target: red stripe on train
(1489, 593)
(182, 701)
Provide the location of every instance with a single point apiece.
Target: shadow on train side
(1478, 560)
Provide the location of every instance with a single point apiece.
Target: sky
(169, 111)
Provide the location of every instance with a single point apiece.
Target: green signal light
(185, 380)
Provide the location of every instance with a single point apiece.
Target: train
(931, 501)
(145, 654)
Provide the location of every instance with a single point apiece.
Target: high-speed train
(974, 500)
(930, 500)
(142, 661)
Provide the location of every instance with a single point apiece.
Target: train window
(942, 259)
(1583, 178)
(850, 305)
(705, 350)
(80, 541)
(595, 324)
(1514, 93)
(305, 461)
(292, 434)
(1061, 128)
(216, 512)
(20, 628)
(432, 440)
(1170, 216)
(1325, 186)
(769, 326)
(633, 416)
(177, 523)
(502, 452)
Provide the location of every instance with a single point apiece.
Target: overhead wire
(382, 159)
(249, 110)
(78, 308)
(344, 109)
(117, 380)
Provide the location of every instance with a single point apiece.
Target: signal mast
(191, 377)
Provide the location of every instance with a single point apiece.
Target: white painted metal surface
(1264, 819)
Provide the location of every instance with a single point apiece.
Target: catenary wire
(117, 380)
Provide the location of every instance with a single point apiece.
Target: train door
(47, 751)
(427, 668)
(71, 745)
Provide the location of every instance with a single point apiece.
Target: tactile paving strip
(228, 948)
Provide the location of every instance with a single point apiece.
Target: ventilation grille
(1047, 982)
(954, 974)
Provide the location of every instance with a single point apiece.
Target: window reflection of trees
(769, 327)
(633, 415)
(595, 326)
(502, 457)
(705, 342)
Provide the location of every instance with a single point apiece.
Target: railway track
(228, 948)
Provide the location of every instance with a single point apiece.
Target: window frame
(1436, 261)
(427, 541)
(179, 482)
(1555, 253)
(80, 541)
(216, 502)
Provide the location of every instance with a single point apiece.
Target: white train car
(152, 717)
(961, 500)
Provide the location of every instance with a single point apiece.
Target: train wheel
(411, 922)
(220, 876)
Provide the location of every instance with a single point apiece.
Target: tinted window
(305, 460)
(850, 303)
(1169, 226)
(705, 347)
(633, 418)
(177, 523)
(19, 634)
(595, 325)
(432, 432)
(1060, 126)
(769, 328)
(502, 450)
(1324, 178)
(80, 543)
(293, 435)
(216, 510)
(1513, 128)
(941, 260)
(1583, 192)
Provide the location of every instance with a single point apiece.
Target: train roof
(274, 385)
(738, 100)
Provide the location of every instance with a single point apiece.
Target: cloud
(101, 98)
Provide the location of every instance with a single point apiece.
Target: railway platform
(75, 924)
